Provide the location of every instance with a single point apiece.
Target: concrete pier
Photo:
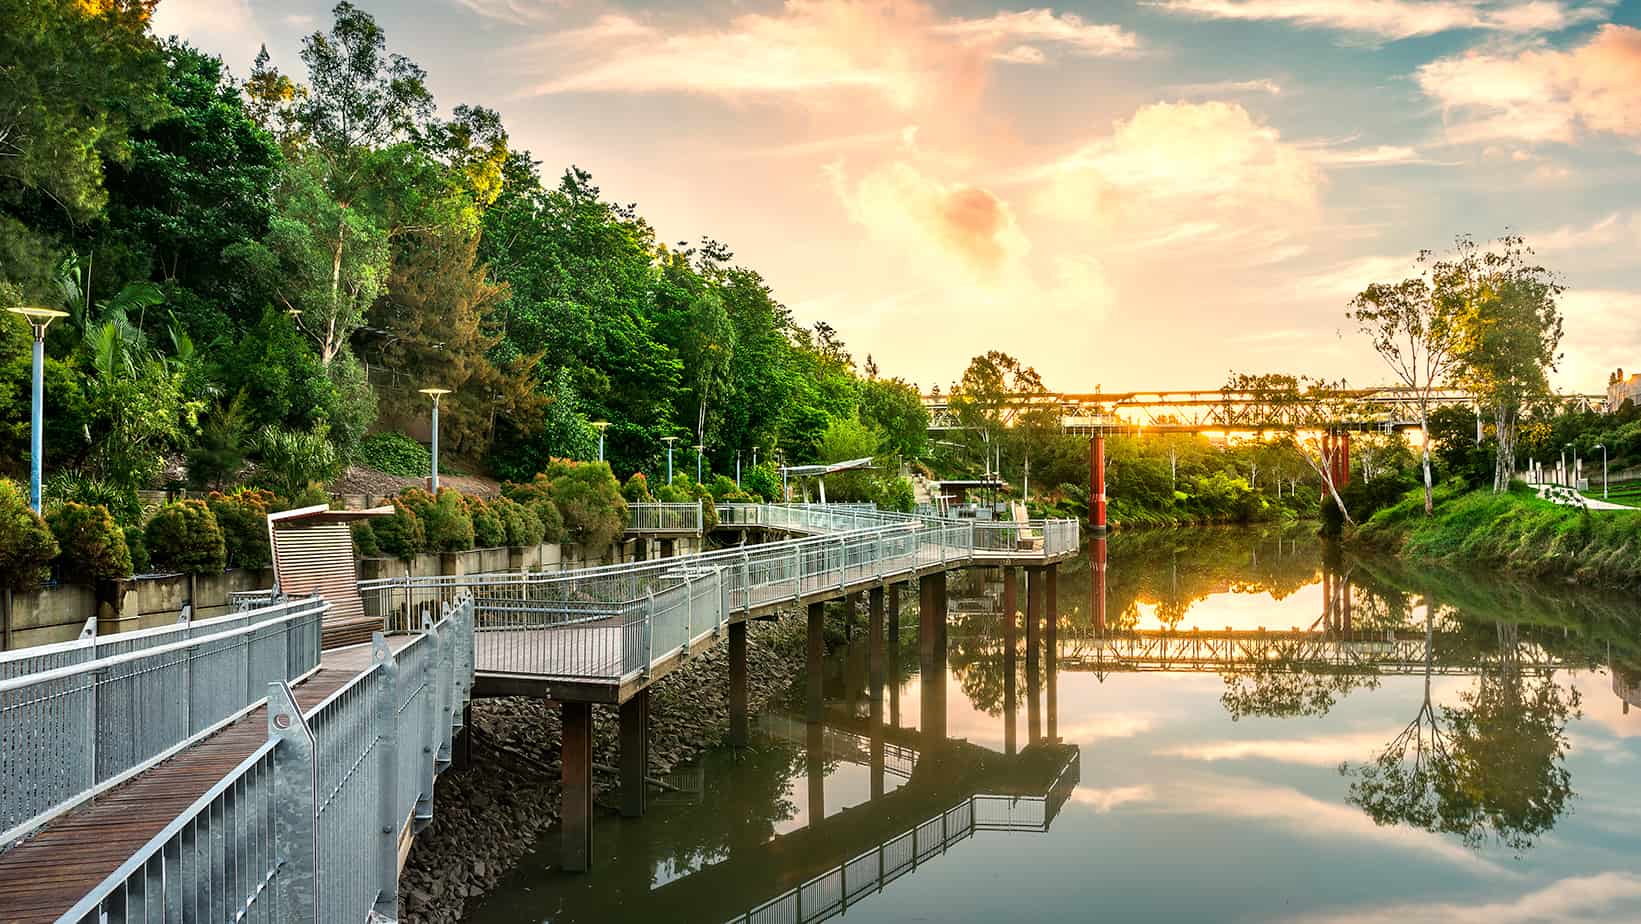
(737, 685)
(576, 769)
(635, 753)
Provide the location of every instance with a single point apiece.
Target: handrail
(306, 828)
(76, 730)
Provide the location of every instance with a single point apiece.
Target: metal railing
(307, 828)
(615, 622)
(665, 518)
(832, 892)
(75, 730)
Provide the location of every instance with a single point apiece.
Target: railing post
(689, 611)
(430, 718)
(387, 777)
(447, 682)
(723, 601)
(295, 808)
(649, 630)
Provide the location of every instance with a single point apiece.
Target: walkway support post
(576, 795)
(635, 753)
(1011, 644)
(1051, 650)
(1096, 586)
(931, 629)
(816, 647)
(295, 807)
(894, 612)
(1034, 619)
(737, 684)
(387, 778)
(874, 642)
(1096, 481)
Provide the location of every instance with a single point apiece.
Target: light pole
(699, 448)
(435, 394)
(669, 440)
(737, 470)
(601, 426)
(755, 457)
(39, 319)
(1603, 448)
(1567, 473)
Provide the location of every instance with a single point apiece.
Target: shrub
(537, 495)
(445, 524)
(522, 526)
(894, 494)
(137, 543)
(684, 490)
(722, 486)
(243, 517)
(637, 489)
(26, 544)
(488, 529)
(65, 486)
(396, 454)
(400, 535)
(364, 540)
(291, 460)
(184, 536)
(589, 497)
(93, 545)
(763, 481)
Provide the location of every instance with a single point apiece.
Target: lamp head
(39, 317)
(669, 440)
(601, 425)
(434, 393)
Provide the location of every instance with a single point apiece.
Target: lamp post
(1567, 474)
(39, 319)
(669, 440)
(699, 448)
(737, 470)
(435, 394)
(1603, 448)
(601, 426)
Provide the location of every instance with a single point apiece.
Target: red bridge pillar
(1096, 482)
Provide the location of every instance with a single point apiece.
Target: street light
(39, 319)
(1603, 448)
(737, 470)
(435, 394)
(669, 440)
(601, 426)
(1567, 479)
(699, 448)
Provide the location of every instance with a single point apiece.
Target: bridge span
(235, 769)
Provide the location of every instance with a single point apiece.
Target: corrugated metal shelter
(313, 554)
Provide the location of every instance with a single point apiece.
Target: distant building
(1621, 388)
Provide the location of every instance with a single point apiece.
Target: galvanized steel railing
(73, 730)
(832, 892)
(307, 828)
(665, 518)
(614, 623)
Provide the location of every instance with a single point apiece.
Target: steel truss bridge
(1229, 410)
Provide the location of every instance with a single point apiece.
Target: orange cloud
(901, 51)
(1399, 19)
(965, 226)
(1542, 95)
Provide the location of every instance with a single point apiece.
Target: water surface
(1239, 725)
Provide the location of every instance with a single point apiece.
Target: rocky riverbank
(491, 814)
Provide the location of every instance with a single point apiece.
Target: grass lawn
(1627, 493)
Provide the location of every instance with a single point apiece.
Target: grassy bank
(1516, 531)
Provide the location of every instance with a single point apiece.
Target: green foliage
(395, 454)
(894, 409)
(637, 489)
(65, 486)
(522, 526)
(93, 545)
(684, 490)
(446, 525)
(364, 540)
(489, 529)
(288, 461)
(894, 494)
(763, 482)
(589, 497)
(400, 535)
(184, 536)
(218, 455)
(721, 487)
(537, 496)
(26, 543)
(243, 518)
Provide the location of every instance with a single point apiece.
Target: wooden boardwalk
(42, 877)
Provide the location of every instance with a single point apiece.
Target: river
(1267, 729)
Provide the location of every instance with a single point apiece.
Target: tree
(93, 545)
(1307, 412)
(1507, 331)
(1412, 330)
(995, 387)
(184, 536)
(26, 544)
(894, 408)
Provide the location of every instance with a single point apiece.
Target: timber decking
(44, 876)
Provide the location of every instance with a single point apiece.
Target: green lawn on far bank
(1516, 531)
(1628, 493)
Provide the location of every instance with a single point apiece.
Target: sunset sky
(1134, 195)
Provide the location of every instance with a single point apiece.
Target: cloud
(901, 51)
(1174, 164)
(1345, 279)
(225, 27)
(1597, 899)
(1230, 87)
(967, 227)
(1540, 94)
(1377, 156)
(1324, 751)
(1399, 19)
(1104, 800)
(1003, 30)
(514, 12)
(1617, 229)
